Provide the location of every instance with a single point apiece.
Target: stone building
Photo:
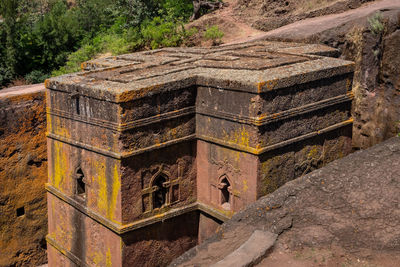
(149, 152)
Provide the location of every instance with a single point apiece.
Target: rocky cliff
(23, 172)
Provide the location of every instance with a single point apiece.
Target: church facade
(150, 152)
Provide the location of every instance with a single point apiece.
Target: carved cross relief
(162, 190)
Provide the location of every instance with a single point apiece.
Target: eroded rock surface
(23, 173)
(351, 203)
(375, 52)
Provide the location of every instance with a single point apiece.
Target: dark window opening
(43, 243)
(78, 111)
(225, 194)
(160, 192)
(80, 183)
(20, 212)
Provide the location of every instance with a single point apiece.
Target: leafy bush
(215, 34)
(115, 44)
(158, 33)
(137, 11)
(177, 10)
(376, 23)
(36, 76)
(5, 75)
(50, 36)
(8, 10)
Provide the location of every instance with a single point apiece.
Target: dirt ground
(334, 257)
(267, 15)
(233, 27)
(242, 20)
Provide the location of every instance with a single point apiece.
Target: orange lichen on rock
(23, 172)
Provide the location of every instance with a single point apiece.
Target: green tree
(95, 15)
(8, 10)
(46, 45)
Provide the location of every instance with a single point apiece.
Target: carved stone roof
(253, 67)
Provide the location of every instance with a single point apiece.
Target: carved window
(20, 211)
(76, 103)
(77, 106)
(161, 192)
(80, 183)
(225, 189)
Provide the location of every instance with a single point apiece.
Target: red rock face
(23, 173)
(226, 179)
(149, 152)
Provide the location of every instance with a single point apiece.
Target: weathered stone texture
(376, 84)
(352, 203)
(376, 77)
(23, 173)
(281, 166)
(165, 240)
(177, 161)
(79, 237)
(215, 163)
(102, 178)
(148, 144)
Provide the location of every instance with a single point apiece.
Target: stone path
(20, 90)
(307, 28)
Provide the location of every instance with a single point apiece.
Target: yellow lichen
(240, 137)
(260, 86)
(60, 165)
(245, 186)
(108, 258)
(313, 152)
(102, 200)
(107, 204)
(97, 258)
(115, 192)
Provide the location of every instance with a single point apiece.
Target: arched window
(225, 197)
(160, 191)
(225, 193)
(80, 183)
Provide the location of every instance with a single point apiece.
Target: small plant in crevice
(376, 23)
(214, 34)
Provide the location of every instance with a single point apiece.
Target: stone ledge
(21, 90)
(125, 228)
(124, 126)
(64, 252)
(262, 150)
(251, 252)
(117, 155)
(263, 120)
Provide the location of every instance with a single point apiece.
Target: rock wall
(372, 41)
(351, 203)
(23, 173)
(369, 36)
(377, 80)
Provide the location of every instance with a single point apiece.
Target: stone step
(251, 252)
